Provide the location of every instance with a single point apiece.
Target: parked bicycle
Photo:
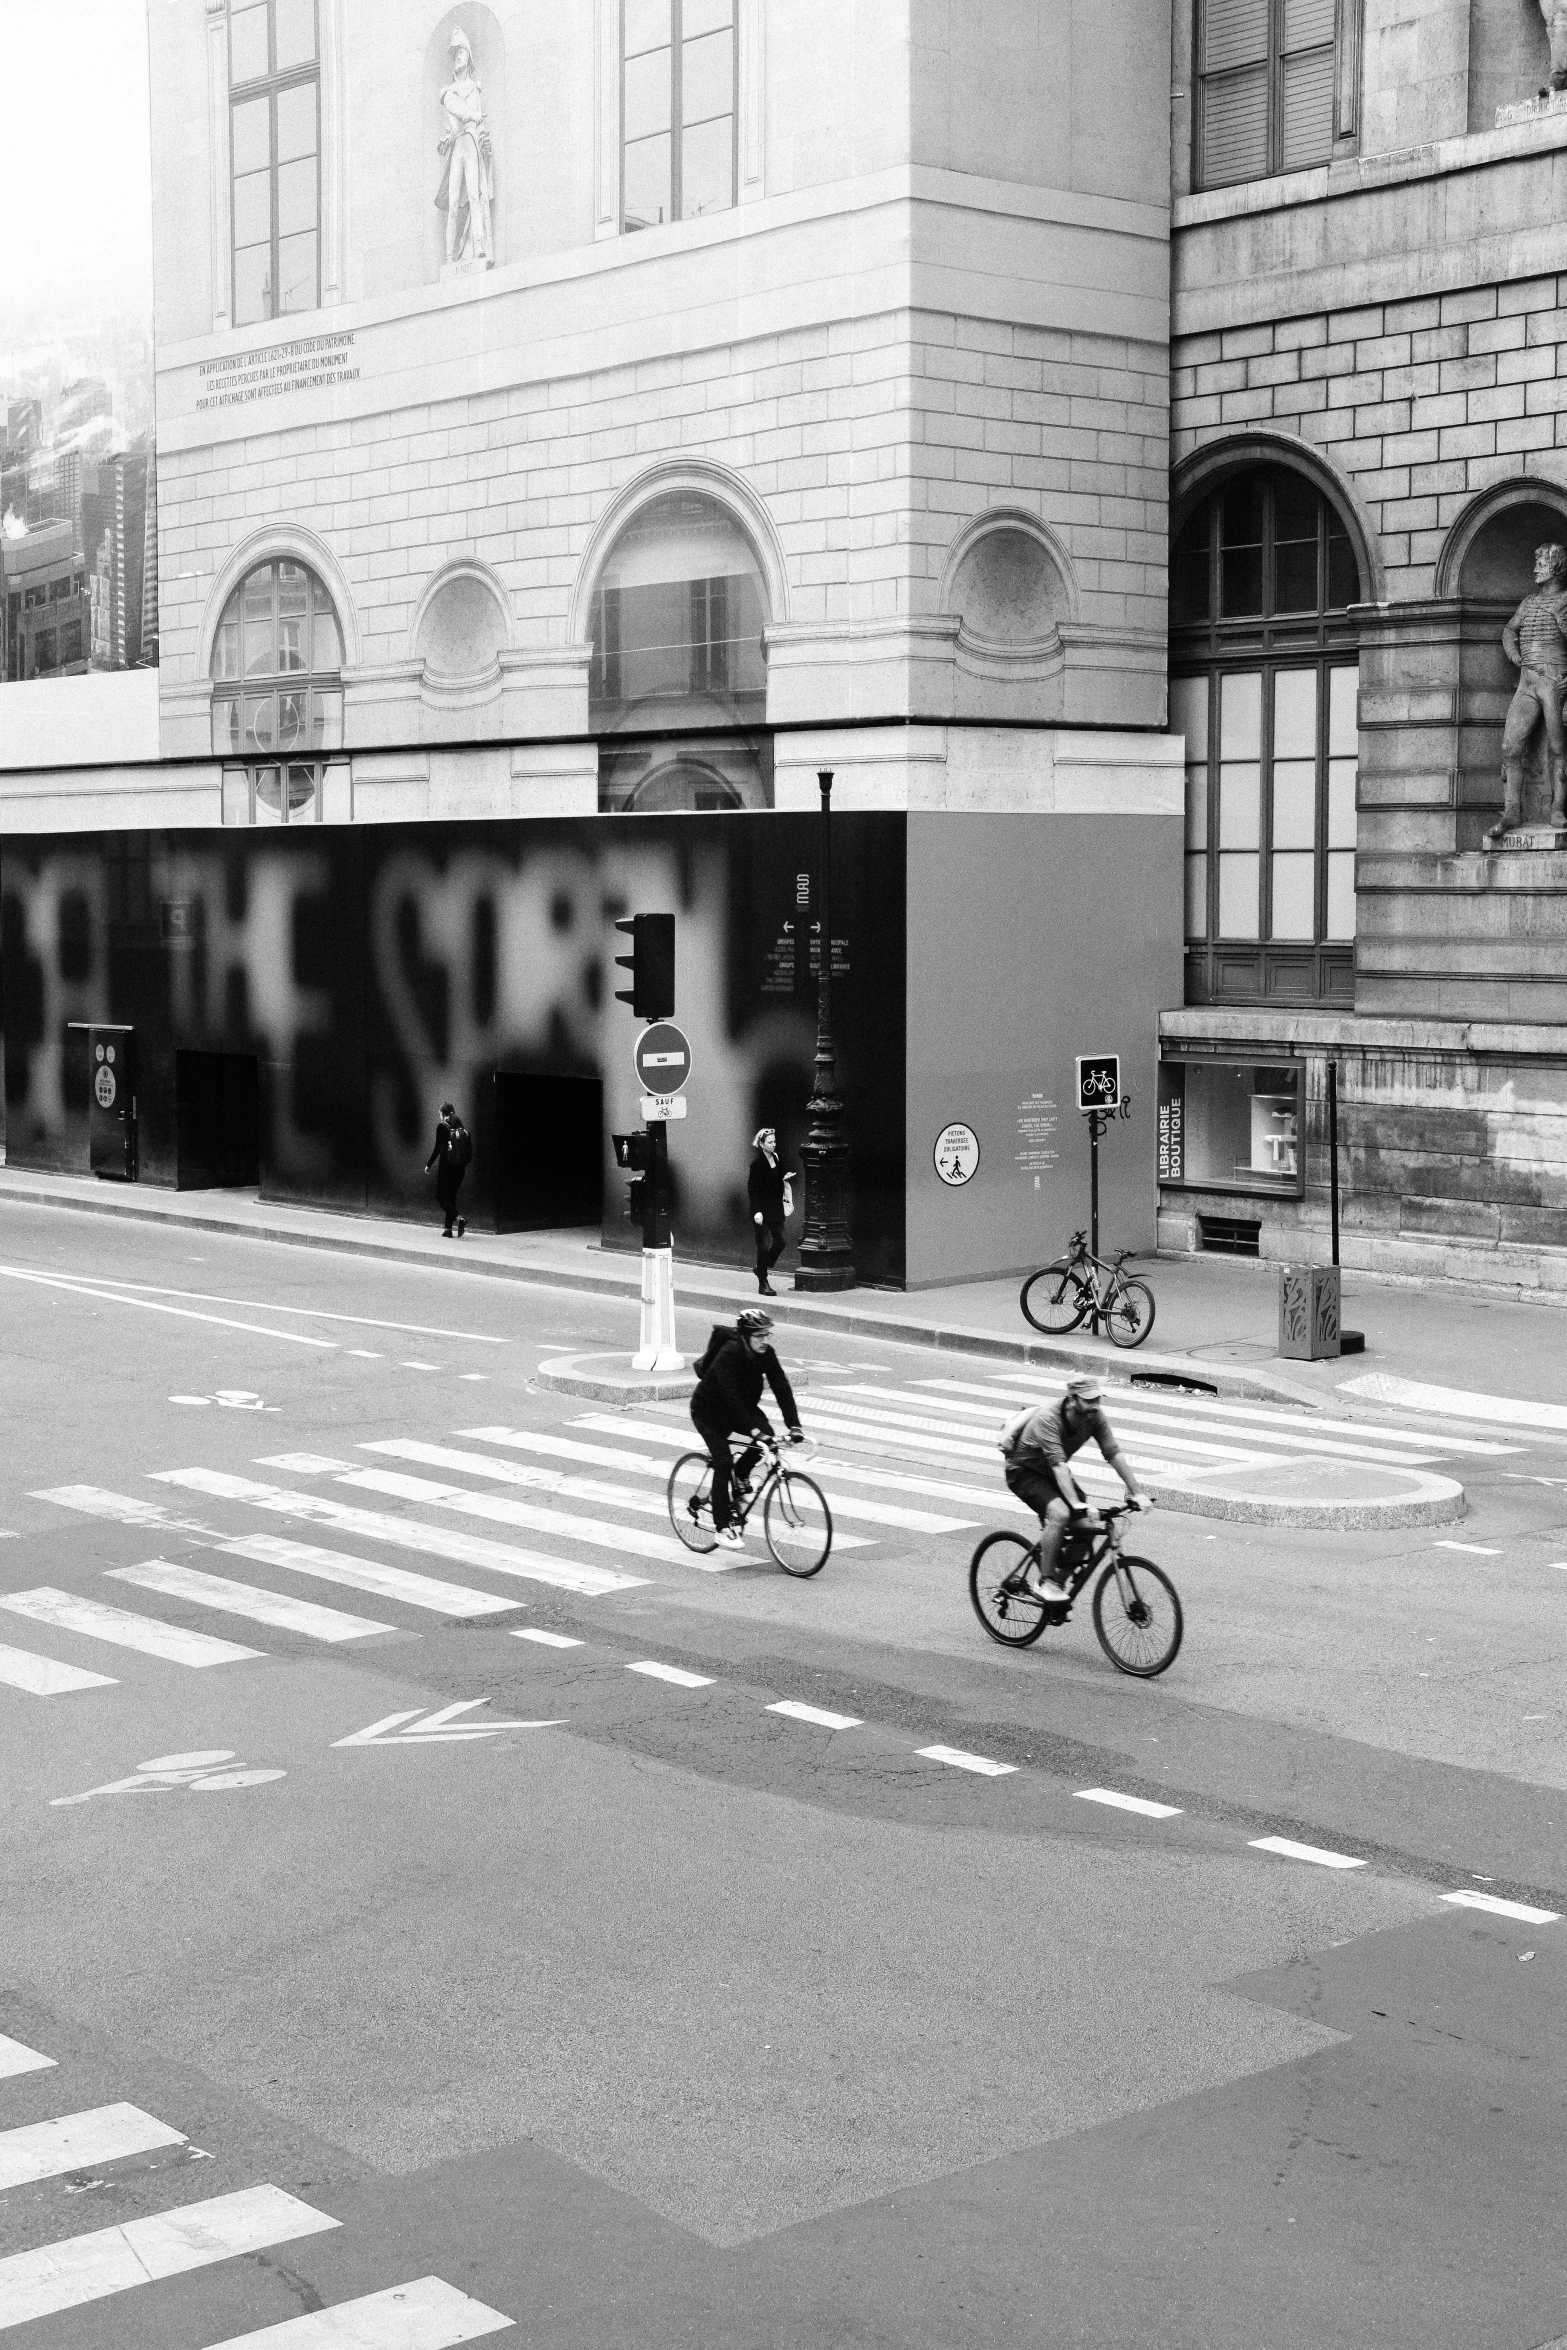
(796, 1520)
(1137, 1613)
(1081, 1287)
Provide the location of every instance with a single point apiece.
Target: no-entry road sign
(662, 1058)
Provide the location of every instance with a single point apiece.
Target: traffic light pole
(657, 1350)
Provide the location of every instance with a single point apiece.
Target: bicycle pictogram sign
(1098, 1081)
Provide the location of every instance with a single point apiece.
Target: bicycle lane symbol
(204, 1774)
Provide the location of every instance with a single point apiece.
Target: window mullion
(1276, 84)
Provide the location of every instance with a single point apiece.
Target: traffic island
(1351, 1496)
(613, 1378)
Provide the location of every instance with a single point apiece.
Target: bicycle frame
(1100, 1283)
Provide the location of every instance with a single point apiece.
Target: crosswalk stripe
(41, 1676)
(882, 1435)
(501, 1510)
(864, 1416)
(65, 1612)
(78, 2269)
(357, 1574)
(880, 1443)
(1264, 1417)
(469, 1550)
(617, 1456)
(16, 2059)
(1137, 1419)
(124, 1508)
(75, 2141)
(424, 2315)
(279, 1608)
(899, 1480)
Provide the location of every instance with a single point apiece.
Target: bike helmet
(752, 1320)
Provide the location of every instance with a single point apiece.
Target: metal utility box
(1309, 1328)
(111, 1115)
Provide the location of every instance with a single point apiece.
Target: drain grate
(1173, 1383)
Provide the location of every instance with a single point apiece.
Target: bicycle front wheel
(1137, 1617)
(797, 1523)
(995, 1585)
(1053, 1299)
(1129, 1313)
(691, 1501)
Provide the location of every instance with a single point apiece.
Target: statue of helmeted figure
(468, 182)
(1536, 640)
(1555, 15)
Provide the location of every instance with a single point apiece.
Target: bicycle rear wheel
(1054, 1299)
(1129, 1312)
(995, 1577)
(797, 1523)
(1137, 1616)
(690, 1494)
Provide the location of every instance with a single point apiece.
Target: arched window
(1264, 676)
(277, 664)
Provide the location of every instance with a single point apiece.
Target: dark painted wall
(376, 971)
(1032, 939)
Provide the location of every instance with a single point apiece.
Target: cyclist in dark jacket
(728, 1401)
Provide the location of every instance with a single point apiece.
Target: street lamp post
(826, 1249)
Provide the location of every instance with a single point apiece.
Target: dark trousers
(446, 1189)
(769, 1248)
(716, 1437)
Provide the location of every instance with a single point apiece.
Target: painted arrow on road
(416, 1728)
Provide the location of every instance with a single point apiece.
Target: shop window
(1265, 678)
(1231, 1126)
(275, 150)
(677, 103)
(277, 681)
(1275, 86)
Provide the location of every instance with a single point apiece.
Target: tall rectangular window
(1266, 86)
(275, 147)
(677, 110)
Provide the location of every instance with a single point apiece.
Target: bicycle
(796, 1520)
(1082, 1287)
(1137, 1611)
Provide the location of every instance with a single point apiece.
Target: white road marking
(41, 1676)
(423, 2315)
(1496, 1907)
(442, 1728)
(473, 1374)
(79, 2141)
(546, 1639)
(814, 1713)
(569, 1524)
(1479, 1550)
(961, 1761)
(267, 1305)
(357, 1574)
(1457, 1403)
(642, 1464)
(365, 1354)
(681, 1680)
(15, 2059)
(95, 1502)
(109, 1297)
(89, 1617)
(1313, 1852)
(248, 1599)
(1241, 1418)
(302, 1464)
(411, 1366)
(676, 1439)
(1137, 1803)
(840, 1413)
(405, 1533)
(78, 2269)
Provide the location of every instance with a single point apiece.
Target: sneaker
(1051, 1594)
(727, 1538)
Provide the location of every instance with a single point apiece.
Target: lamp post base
(826, 1273)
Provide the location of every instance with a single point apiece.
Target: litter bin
(1309, 1330)
(111, 1111)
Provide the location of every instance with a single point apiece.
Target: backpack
(1012, 1429)
(462, 1149)
(720, 1336)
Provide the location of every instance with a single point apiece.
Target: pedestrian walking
(772, 1200)
(451, 1158)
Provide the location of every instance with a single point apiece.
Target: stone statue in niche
(1555, 15)
(1535, 639)
(468, 182)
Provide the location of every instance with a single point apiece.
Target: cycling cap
(1085, 1387)
(752, 1320)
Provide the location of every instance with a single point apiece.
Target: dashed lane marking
(1137, 1803)
(546, 1639)
(80, 2141)
(413, 1366)
(1496, 1907)
(1479, 1550)
(64, 1611)
(423, 2315)
(1289, 1850)
(16, 2059)
(42, 1676)
(959, 1760)
(79, 2269)
(672, 1673)
(815, 1714)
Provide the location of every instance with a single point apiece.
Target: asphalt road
(683, 2020)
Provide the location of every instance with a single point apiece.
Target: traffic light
(651, 964)
(633, 1150)
(636, 1201)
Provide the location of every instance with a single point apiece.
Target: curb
(580, 1375)
(1343, 1517)
(1036, 1353)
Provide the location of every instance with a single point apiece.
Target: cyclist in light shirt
(1037, 1445)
